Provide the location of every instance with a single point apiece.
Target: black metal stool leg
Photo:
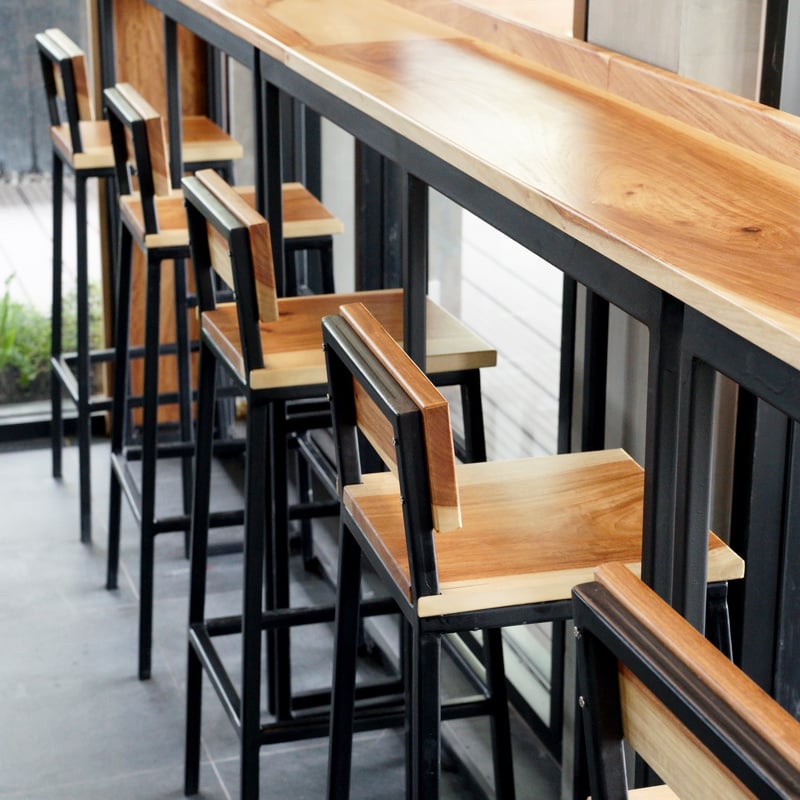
(206, 402)
(256, 510)
(344, 660)
(149, 460)
(119, 413)
(84, 364)
(278, 536)
(500, 724)
(472, 410)
(57, 424)
(326, 266)
(184, 369)
(305, 495)
(426, 712)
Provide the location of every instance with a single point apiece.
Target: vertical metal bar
(774, 47)
(472, 413)
(344, 661)
(149, 462)
(756, 531)
(312, 125)
(274, 180)
(292, 138)
(215, 96)
(369, 219)
(119, 409)
(173, 82)
(426, 748)
(499, 721)
(693, 491)
(84, 362)
(566, 388)
(787, 663)
(414, 265)
(660, 456)
(257, 477)
(378, 226)
(595, 355)
(259, 137)
(183, 358)
(278, 540)
(206, 401)
(105, 16)
(57, 423)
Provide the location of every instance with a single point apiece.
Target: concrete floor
(75, 722)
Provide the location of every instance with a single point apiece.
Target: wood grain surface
(292, 345)
(531, 529)
(428, 399)
(705, 662)
(711, 221)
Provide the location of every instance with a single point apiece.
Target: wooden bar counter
(669, 199)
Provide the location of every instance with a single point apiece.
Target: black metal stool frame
(266, 552)
(71, 371)
(348, 359)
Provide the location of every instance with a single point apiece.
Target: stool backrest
(140, 148)
(230, 238)
(66, 82)
(377, 389)
(648, 677)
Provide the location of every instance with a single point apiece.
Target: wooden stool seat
(585, 508)
(203, 142)
(304, 216)
(96, 152)
(292, 346)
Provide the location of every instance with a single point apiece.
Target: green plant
(24, 338)
(25, 334)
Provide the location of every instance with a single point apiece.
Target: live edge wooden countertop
(693, 190)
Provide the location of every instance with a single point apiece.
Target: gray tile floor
(75, 722)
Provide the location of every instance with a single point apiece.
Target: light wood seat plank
(304, 216)
(562, 516)
(292, 346)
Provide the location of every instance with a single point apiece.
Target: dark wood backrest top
(63, 53)
(445, 507)
(156, 138)
(698, 720)
(66, 83)
(260, 244)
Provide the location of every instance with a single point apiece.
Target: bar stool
(458, 547)
(648, 678)
(83, 143)
(153, 218)
(272, 348)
